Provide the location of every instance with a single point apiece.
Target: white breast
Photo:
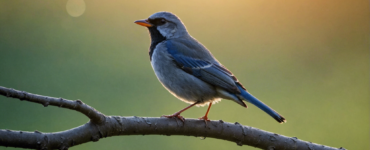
(184, 86)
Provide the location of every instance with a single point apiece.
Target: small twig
(77, 105)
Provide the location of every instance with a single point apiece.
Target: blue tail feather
(250, 98)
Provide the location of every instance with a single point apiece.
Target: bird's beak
(144, 23)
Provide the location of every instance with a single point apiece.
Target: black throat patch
(156, 38)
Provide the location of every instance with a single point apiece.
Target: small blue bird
(189, 71)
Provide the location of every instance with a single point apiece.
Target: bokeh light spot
(76, 8)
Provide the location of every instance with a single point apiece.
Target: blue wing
(217, 75)
(211, 73)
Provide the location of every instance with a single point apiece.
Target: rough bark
(101, 126)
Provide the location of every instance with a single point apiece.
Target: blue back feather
(219, 76)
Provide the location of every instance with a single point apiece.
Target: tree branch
(77, 105)
(106, 126)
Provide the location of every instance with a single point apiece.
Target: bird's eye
(163, 21)
(157, 21)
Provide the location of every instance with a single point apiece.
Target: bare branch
(77, 105)
(117, 125)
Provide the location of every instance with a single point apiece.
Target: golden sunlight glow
(76, 8)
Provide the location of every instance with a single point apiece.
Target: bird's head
(164, 23)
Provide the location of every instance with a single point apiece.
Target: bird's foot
(175, 115)
(205, 118)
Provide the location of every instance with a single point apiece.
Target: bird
(189, 71)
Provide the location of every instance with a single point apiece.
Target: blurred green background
(308, 59)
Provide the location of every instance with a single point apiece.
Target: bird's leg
(177, 114)
(205, 117)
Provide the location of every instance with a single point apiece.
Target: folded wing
(206, 71)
